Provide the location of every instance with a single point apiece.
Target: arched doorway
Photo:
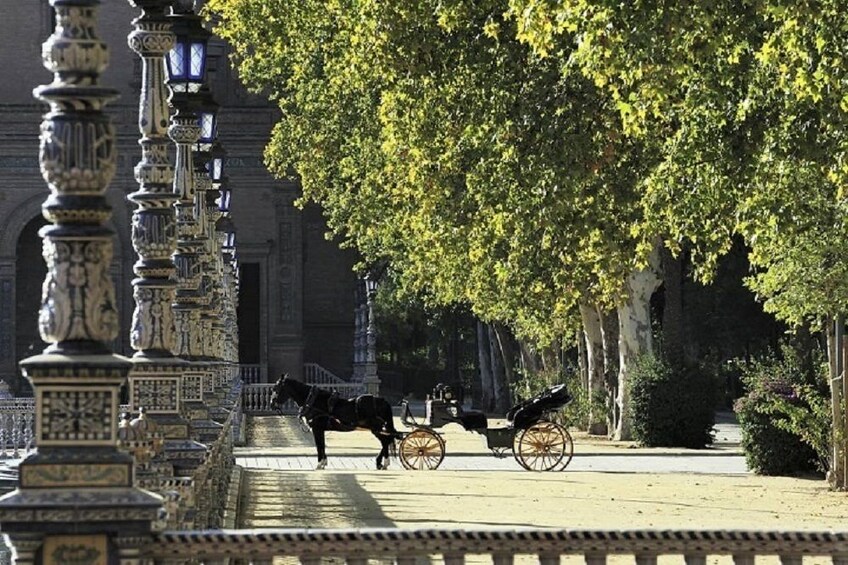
(30, 271)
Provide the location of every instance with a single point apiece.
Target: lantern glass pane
(225, 201)
(207, 126)
(197, 55)
(175, 61)
(217, 166)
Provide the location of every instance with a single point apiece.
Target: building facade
(297, 294)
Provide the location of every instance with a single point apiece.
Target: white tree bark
(609, 333)
(634, 339)
(594, 364)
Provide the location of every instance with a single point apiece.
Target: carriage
(536, 441)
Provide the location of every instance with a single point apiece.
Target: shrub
(785, 415)
(671, 408)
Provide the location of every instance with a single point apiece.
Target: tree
(748, 98)
(435, 140)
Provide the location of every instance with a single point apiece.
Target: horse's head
(279, 394)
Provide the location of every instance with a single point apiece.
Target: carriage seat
(473, 420)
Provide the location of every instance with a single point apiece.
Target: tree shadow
(276, 499)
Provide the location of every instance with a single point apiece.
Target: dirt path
(480, 498)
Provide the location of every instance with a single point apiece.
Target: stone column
(76, 495)
(371, 380)
(196, 406)
(156, 374)
(185, 132)
(359, 344)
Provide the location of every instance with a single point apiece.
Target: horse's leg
(383, 456)
(320, 446)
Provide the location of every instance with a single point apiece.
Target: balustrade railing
(17, 427)
(256, 399)
(251, 374)
(500, 545)
(315, 374)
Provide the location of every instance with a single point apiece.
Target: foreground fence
(501, 545)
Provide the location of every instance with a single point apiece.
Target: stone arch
(13, 344)
(15, 222)
(17, 219)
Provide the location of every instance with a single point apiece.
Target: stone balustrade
(17, 427)
(251, 374)
(501, 545)
(198, 500)
(256, 398)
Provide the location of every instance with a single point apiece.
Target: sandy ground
(483, 498)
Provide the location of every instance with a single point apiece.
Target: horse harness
(309, 412)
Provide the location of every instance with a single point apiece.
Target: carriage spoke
(421, 449)
(542, 446)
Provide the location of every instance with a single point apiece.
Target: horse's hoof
(321, 465)
(385, 465)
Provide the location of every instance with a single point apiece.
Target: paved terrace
(607, 486)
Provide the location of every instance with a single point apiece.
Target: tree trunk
(582, 360)
(531, 361)
(506, 342)
(452, 350)
(634, 334)
(500, 386)
(835, 347)
(487, 381)
(551, 357)
(609, 333)
(672, 322)
(594, 364)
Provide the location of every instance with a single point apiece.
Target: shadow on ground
(307, 499)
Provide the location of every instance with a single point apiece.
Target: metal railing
(17, 427)
(501, 545)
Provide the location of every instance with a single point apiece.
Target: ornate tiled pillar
(196, 407)
(359, 341)
(184, 131)
(370, 379)
(75, 495)
(156, 374)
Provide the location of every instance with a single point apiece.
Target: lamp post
(186, 68)
(371, 380)
(186, 64)
(207, 117)
(155, 377)
(217, 204)
(76, 494)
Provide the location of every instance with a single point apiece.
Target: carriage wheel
(543, 447)
(422, 449)
(569, 451)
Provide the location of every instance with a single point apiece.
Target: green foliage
(672, 408)
(420, 342)
(576, 412)
(740, 100)
(786, 415)
(436, 141)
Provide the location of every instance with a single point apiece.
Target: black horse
(324, 410)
